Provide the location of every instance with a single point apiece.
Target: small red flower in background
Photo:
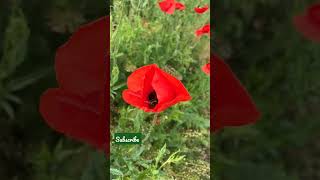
(78, 108)
(201, 10)
(206, 68)
(153, 90)
(231, 103)
(168, 6)
(180, 6)
(203, 30)
(308, 23)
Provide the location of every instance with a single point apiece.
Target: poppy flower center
(152, 99)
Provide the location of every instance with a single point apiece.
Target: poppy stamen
(152, 99)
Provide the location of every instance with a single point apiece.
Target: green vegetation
(30, 32)
(281, 71)
(178, 146)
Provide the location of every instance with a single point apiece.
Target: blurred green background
(30, 32)
(281, 71)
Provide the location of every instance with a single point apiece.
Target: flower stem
(155, 117)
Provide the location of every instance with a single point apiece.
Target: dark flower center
(152, 99)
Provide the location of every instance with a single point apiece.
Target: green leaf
(118, 86)
(161, 154)
(114, 75)
(15, 43)
(116, 172)
(23, 82)
(173, 158)
(13, 98)
(8, 109)
(95, 168)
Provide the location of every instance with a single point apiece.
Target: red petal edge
(231, 103)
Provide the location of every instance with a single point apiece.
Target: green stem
(155, 117)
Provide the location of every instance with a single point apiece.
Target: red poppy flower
(180, 6)
(78, 107)
(153, 90)
(308, 23)
(201, 10)
(168, 6)
(206, 68)
(231, 104)
(203, 30)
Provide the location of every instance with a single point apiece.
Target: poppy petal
(180, 6)
(309, 28)
(232, 105)
(182, 91)
(73, 116)
(203, 30)
(206, 68)
(149, 79)
(201, 10)
(137, 80)
(80, 63)
(167, 6)
(139, 86)
(135, 99)
(164, 89)
(171, 84)
(314, 13)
